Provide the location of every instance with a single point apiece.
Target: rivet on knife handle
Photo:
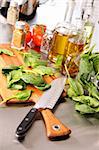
(54, 127)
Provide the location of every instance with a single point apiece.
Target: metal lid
(20, 25)
(13, 4)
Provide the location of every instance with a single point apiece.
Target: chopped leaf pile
(18, 78)
(84, 89)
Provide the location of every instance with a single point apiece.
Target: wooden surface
(5, 61)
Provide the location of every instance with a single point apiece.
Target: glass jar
(18, 38)
(46, 42)
(59, 41)
(75, 47)
(13, 13)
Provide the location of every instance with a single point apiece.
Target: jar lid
(20, 25)
(13, 4)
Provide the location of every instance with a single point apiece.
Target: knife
(47, 101)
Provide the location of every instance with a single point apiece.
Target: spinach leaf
(71, 92)
(85, 68)
(38, 62)
(20, 85)
(75, 88)
(90, 101)
(96, 63)
(13, 77)
(34, 53)
(5, 51)
(33, 59)
(44, 87)
(93, 91)
(31, 78)
(43, 70)
(84, 108)
(10, 68)
(21, 96)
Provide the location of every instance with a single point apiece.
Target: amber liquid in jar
(72, 57)
(59, 42)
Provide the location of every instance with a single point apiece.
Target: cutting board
(17, 59)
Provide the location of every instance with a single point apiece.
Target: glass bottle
(18, 38)
(13, 13)
(89, 29)
(89, 24)
(69, 10)
(75, 47)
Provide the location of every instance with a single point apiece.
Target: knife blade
(47, 101)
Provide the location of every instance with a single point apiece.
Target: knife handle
(26, 124)
(54, 127)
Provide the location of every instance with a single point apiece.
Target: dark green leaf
(20, 85)
(7, 70)
(5, 51)
(13, 77)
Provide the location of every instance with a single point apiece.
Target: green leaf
(71, 92)
(90, 101)
(13, 77)
(31, 78)
(43, 88)
(93, 91)
(10, 68)
(86, 67)
(34, 53)
(5, 51)
(84, 109)
(43, 70)
(96, 63)
(59, 60)
(22, 96)
(20, 85)
(33, 59)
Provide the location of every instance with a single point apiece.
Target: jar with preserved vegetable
(18, 38)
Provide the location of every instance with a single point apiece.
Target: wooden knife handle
(54, 127)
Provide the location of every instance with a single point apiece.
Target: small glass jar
(46, 42)
(18, 38)
(13, 13)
